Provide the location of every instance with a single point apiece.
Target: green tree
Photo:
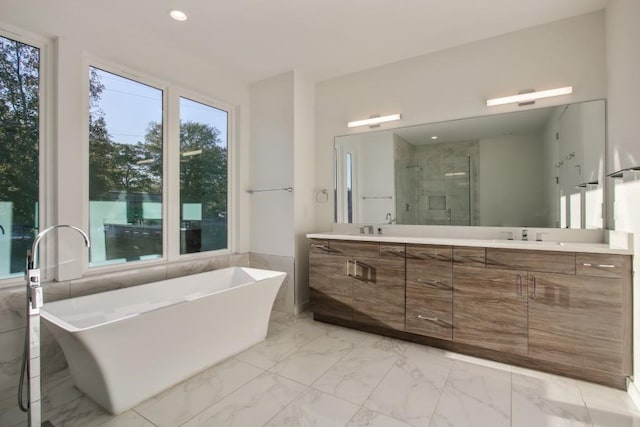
(19, 129)
(116, 167)
(203, 164)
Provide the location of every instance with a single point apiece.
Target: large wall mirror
(535, 168)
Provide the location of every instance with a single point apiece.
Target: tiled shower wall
(13, 305)
(425, 195)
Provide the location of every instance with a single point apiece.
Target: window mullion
(172, 170)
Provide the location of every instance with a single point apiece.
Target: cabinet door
(576, 320)
(490, 308)
(378, 291)
(429, 298)
(330, 287)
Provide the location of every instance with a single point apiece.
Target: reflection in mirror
(535, 168)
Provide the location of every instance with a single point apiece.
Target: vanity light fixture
(524, 98)
(178, 15)
(434, 137)
(374, 121)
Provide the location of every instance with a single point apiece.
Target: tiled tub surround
(13, 301)
(285, 300)
(309, 373)
(560, 308)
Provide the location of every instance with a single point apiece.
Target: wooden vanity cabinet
(329, 288)
(490, 308)
(358, 281)
(564, 312)
(429, 303)
(583, 320)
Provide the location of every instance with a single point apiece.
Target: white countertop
(603, 248)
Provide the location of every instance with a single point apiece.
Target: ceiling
(257, 39)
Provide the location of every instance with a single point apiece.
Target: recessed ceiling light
(178, 15)
(434, 137)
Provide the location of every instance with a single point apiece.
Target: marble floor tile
(411, 389)
(540, 399)
(128, 419)
(253, 404)
(283, 341)
(355, 376)
(475, 395)
(397, 383)
(314, 408)
(313, 360)
(608, 406)
(187, 399)
(368, 418)
(82, 412)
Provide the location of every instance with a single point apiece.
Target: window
(203, 177)
(20, 117)
(137, 134)
(125, 169)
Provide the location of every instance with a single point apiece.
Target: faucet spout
(36, 242)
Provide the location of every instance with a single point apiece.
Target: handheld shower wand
(31, 356)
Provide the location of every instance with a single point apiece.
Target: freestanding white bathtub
(127, 345)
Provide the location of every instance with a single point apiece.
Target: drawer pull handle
(430, 319)
(434, 283)
(349, 262)
(398, 252)
(586, 264)
(520, 285)
(313, 245)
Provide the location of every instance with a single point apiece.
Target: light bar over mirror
(530, 96)
(374, 121)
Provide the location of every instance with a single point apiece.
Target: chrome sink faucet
(366, 229)
(525, 234)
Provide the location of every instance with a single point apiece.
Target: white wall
(272, 159)
(455, 83)
(282, 155)
(304, 181)
(511, 186)
(623, 85)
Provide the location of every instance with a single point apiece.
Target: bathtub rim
(52, 318)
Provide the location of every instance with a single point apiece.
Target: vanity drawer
(354, 249)
(602, 265)
(431, 254)
(546, 261)
(392, 250)
(469, 256)
(317, 246)
(428, 276)
(429, 311)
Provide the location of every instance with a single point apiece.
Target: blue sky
(130, 106)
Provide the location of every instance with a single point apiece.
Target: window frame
(47, 196)
(170, 168)
(173, 159)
